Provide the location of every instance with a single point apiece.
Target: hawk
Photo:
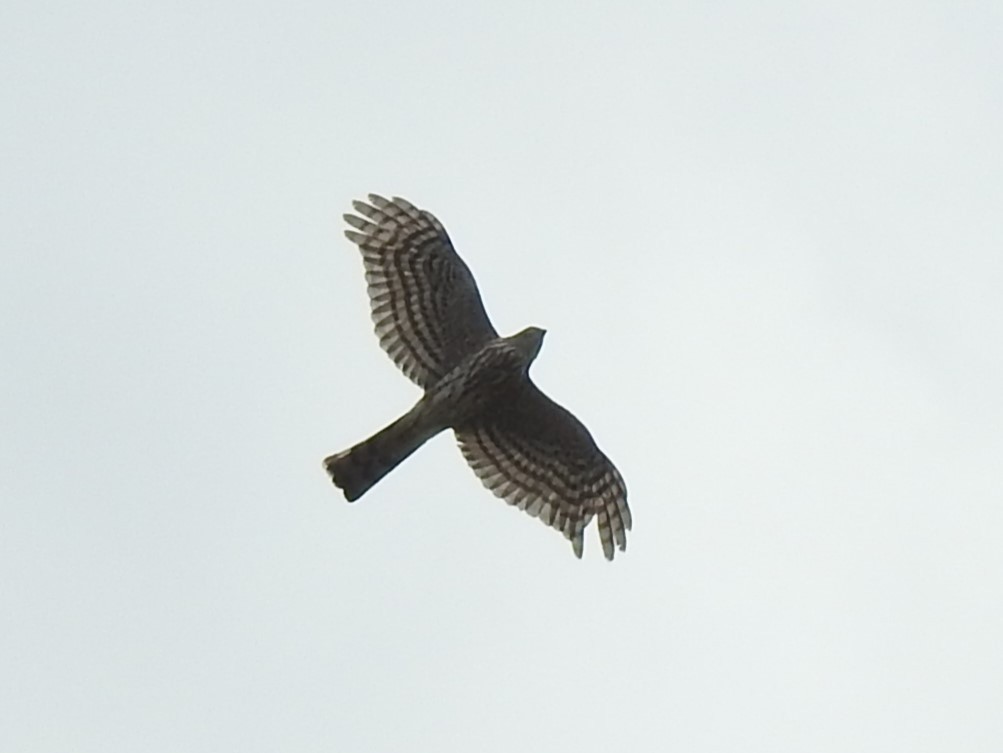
(429, 318)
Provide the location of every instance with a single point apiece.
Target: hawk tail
(357, 469)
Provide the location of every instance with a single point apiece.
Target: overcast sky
(766, 242)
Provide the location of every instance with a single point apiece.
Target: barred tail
(356, 470)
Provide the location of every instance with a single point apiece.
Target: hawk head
(528, 343)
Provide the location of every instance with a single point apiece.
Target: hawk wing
(536, 455)
(425, 303)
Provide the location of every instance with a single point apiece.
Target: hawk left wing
(537, 456)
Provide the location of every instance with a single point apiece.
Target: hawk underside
(429, 318)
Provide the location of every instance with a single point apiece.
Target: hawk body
(429, 318)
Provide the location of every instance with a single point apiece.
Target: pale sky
(766, 243)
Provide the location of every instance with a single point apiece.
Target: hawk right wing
(536, 455)
(425, 304)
